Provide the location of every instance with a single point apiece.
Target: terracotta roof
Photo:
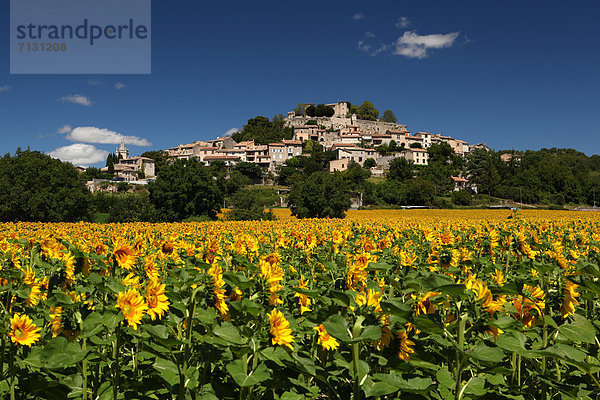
(457, 179)
(276, 144)
(285, 141)
(219, 157)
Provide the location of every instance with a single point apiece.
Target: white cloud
(370, 50)
(120, 85)
(76, 99)
(95, 83)
(402, 23)
(369, 34)
(231, 131)
(4, 88)
(358, 16)
(79, 154)
(91, 134)
(65, 129)
(413, 45)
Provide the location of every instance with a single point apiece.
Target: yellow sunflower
(133, 306)
(326, 341)
(124, 255)
(280, 329)
(23, 330)
(158, 304)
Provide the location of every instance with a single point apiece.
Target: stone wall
(336, 123)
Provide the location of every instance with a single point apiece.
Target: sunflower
(326, 341)
(280, 329)
(405, 343)
(570, 301)
(23, 330)
(56, 325)
(133, 306)
(124, 254)
(158, 304)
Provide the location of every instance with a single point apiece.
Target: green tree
(249, 204)
(320, 195)
(253, 171)
(186, 188)
(416, 145)
(263, 131)
(461, 198)
(299, 110)
(419, 192)
(311, 111)
(367, 111)
(160, 158)
(400, 169)
(37, 187)
(388, 116)
(321, 110)
(369, 163)
(355, 175)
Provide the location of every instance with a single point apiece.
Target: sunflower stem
(462, 322)
(12, 372)
(84, 372)
(116, 369)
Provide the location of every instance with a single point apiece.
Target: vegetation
(37, 187)
(388, 116)
(409, 305)
(250, 204)
(186, 188)
(320, 195)
(547, 176)
(263, 131)
(321, 110)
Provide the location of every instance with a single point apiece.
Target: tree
(400, 169)
(369, 163)
(311, 111)
(160, 158)
(321, 195)
(321, 110)
(461, 198)
(253, 171)
(249, 204)
(37, 187)
(263, 131)
(367, 111)
(388, 116)
(419, 192)
(186, 188)
(355, 175)
(299, 110)
(416, 145)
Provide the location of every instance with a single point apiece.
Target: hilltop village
(351, 139)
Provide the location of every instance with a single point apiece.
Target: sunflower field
(383, 305)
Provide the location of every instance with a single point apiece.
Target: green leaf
(374, 389)
(512, 341)
(230, 334)
(159, 331)
(167, 370)
(337, 327)
(580, 330)
(370, 333)
(475, 386)
(236, 370)
(58, 353)
(409, 385)
(483, 352)
(444, 377)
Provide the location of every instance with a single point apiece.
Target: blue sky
(513, 74)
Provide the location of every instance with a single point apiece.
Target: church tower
(122, 152)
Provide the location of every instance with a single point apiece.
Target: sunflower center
(19, 334)
(127, 309)
(152, 300)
